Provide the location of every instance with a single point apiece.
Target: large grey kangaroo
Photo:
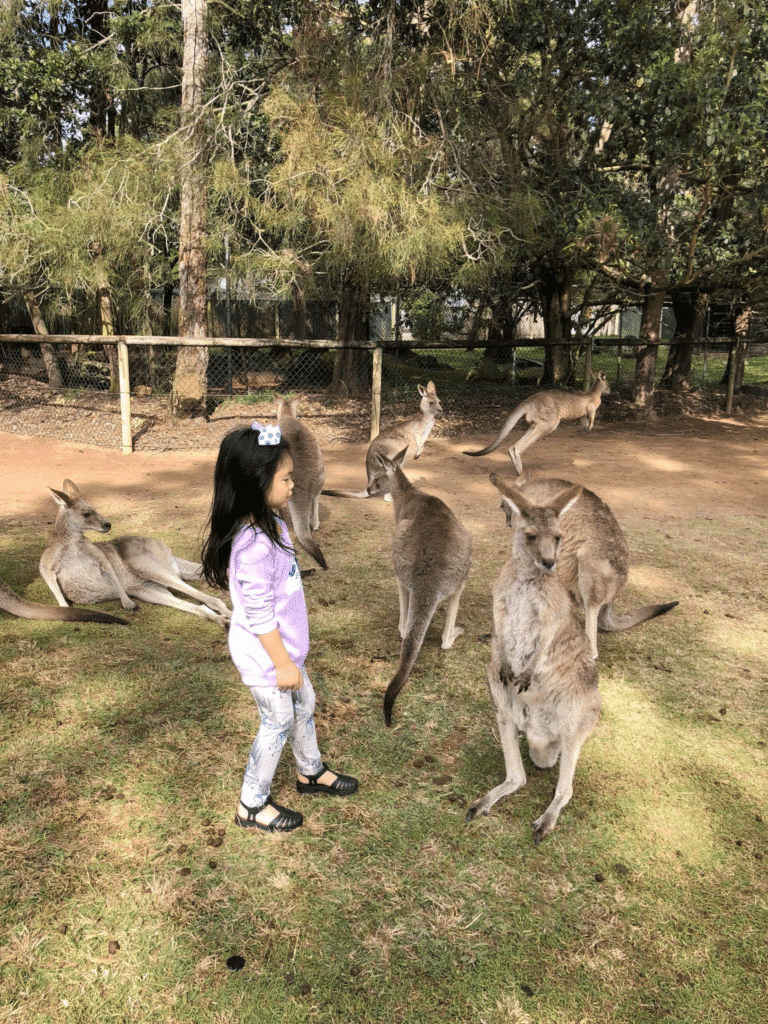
(544, 411)
(593, 557)
(308, 476)
(119, 570)
(541, 674)
(23, 609)
(409, 435)
(431, 552)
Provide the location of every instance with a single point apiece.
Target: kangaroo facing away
(77, 570)
(409, 435)
(541, 675)
(543, 413)
(592, 559)
(308, 476)
(23, 609)
(431, 552)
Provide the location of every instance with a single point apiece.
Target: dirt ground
(668, 470)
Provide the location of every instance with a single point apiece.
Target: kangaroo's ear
(565, 499)
(422, 391)
(61, 499)
(399, 459)
(431, 389)
(511, 498)
(69, 488)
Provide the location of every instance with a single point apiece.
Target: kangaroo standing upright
(544, 411)
(23, 609)
(308, 476)
(592, 559)
(77, 570)
(541, 674)
(431, 552)
(409, 435)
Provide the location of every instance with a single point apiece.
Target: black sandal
(285, 821)
(342, 785)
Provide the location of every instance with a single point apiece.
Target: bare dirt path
(671, 469)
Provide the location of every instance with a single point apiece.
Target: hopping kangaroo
(592, 559)
(409, 435)
(308, 476)
(541, 675)
(23, 609)
(431, 552)
(128, 567)
(544, 411)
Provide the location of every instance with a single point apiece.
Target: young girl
(248, 550)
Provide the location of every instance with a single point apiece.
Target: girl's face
(281, 488)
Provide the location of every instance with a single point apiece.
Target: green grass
(122, 756)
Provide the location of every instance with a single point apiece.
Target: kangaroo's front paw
(448, 642)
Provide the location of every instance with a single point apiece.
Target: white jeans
(285, 715)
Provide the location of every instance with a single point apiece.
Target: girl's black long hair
(241, 481)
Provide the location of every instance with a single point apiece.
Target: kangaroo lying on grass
(23, 609)
(592, 558)
(308, 476)
(409, 435)
(544, 411)
(431, 552)
(128, 567)
(541, 675)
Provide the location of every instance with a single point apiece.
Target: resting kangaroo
(118, 570)
(544, 411)
(542, 676)
(23, 609)
(592, 559)
(308, 476)
(409, 435)
(431, 552)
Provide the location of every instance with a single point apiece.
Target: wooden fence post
(124, 379)
(376, 392)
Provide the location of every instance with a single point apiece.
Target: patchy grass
(125, 886)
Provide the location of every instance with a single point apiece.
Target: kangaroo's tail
(22, 609)
(303, 533)
(609, 621)
(416, 630)
(511, 420)
(346, 494)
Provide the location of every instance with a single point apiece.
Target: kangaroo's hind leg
(540, 428)
(452, 632)
(155, 593)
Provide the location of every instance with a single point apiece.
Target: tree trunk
(48, 352)
(555, 294)
(644, 384)
(690, 309)
(107, 324)
(189, 393)
(738, 351)
(350, 369)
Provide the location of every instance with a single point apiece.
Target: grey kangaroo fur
(410, 434)
(544, 411)
(431, 552)
(77, 570)
(308, 476)
(541, 675)
(23, 609)
(593, 557)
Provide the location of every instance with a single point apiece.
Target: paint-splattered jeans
(285, 715)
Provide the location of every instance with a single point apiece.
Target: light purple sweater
(266, 591)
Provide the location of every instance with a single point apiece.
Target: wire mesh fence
(71, 391)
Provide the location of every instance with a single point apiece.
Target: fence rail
(253, 366)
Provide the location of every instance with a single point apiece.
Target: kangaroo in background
(308, 476)
(544, 411)
(128, 567)
(541, 675)
(592, 559)
(409, 435)
(431, 552)
(23, 609)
